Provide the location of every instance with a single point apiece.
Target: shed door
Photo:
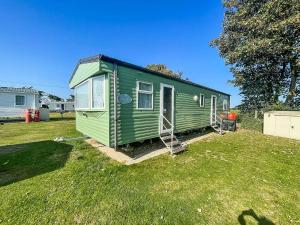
(282, 126)
(295, 127)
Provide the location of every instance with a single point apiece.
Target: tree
(260, 41)
(55, 98)
(71, 98)
(162, 68)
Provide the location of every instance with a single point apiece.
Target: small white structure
(282, 124)
(61, 106)
(44, 114)
(14, 101)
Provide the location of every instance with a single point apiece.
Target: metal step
(174, 143)
(219, 131)
(164, 138)
(178, 149)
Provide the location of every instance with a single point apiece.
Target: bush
(249, 122)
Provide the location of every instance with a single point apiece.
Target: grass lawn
(239, 178)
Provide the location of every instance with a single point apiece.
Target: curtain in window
(145, 101)
(82, 96)
(225, 104)
(98, 93)
(202, 100)
(145, 87)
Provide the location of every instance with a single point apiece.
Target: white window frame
(91, 94)
(225, 103)
(202, 104)
(16, 100)
(143, 92)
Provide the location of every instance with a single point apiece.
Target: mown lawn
(239, 178)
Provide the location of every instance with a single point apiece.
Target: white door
(213, 112)
(295, 127)
(282, 126)
(166, 108)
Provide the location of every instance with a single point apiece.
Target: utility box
(44, 114)
(283, 124)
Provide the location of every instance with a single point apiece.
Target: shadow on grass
(23, 161)
(261, 220)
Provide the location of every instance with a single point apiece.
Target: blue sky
(41, 41)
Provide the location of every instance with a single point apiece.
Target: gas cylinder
(28, 116)
(36, 116)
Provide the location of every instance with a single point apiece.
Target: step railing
(217, 120)
(169, 130)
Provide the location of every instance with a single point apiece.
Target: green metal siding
(133, 124)
(83, 72)
(95, 123)
(137, 125)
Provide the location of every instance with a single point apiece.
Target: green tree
(260, 41)
(164, 69)
(71, 98)
(54, 97)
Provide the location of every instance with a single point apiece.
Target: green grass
(43, 182)
(66, 115)
(20, 132)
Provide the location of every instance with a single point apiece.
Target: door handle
(165, 110)
(292, 126)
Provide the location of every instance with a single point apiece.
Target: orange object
(232, 116)
(28, 116)
(36, 116)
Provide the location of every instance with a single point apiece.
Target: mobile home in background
(61, 106)
(14, 101)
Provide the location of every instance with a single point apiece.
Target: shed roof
(18, 90)
(284, 113)
(140, 68)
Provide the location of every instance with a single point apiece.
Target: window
(98, 92)
(144, 95)
(225, 105)
(202, 99)
(20, 100)
(90, 94)
(82, 95)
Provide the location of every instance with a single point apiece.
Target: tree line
(260, 42)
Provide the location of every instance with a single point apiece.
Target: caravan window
(144, 95)
(225, 105)
(20, 100)
(90, 94)
(98, 92)
(82, 95)
(201, 99)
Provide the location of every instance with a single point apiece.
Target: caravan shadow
(23, 161)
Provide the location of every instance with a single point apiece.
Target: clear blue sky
(41, 41)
